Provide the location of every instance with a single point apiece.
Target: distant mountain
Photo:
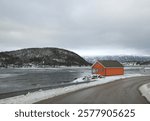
(123, 59)
(41, 57)
(145, 63)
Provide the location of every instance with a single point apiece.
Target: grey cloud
(76, 24)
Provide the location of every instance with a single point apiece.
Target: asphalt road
(124, 91)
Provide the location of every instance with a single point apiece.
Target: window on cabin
(94, 71)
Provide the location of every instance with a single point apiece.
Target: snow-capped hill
(122, 59)
(41, 57)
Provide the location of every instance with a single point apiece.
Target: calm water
(12, 80)
(22, 79)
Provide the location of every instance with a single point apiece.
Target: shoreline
(50, 67)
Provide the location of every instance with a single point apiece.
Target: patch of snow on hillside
(42, 95)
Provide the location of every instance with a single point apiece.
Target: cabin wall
(114, 71)
(98, 69)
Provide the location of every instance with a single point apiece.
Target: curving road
(124, 91)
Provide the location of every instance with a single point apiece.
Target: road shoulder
(145, 91)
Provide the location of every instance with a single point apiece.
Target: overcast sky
(88, 27)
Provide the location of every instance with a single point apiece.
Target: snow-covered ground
(145, 91)
(41, 95)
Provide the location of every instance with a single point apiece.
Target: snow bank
(145, 91)
(41, 95)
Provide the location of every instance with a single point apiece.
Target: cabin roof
(110, 63)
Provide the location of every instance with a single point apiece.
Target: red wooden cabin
(107, 68)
